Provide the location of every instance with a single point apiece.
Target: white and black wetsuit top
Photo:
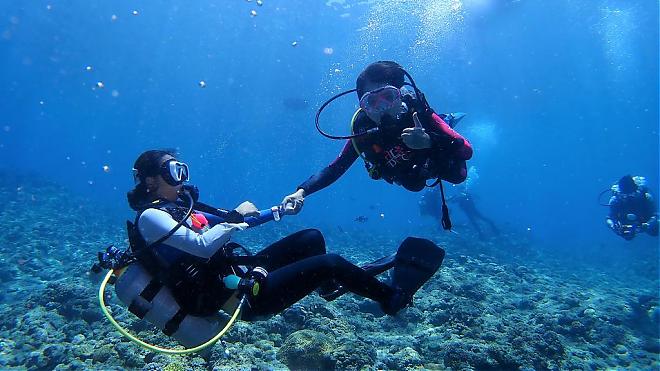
(156, 223)
(191, 260)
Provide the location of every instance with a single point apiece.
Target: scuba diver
(181, 268)
(397, 134)
(428, 205)
(632, 209)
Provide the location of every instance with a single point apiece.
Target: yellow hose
(155, 348)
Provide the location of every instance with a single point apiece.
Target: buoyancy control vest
(195, 282)
(386, 156)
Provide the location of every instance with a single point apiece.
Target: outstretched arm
(332, 172)
(292, 204)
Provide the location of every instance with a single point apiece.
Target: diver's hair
(627, 184)
(147, 164)
(380, 72)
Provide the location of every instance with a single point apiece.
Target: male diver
(184, 246)
(397, 134)
(632, 209)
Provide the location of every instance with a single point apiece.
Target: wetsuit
(629, 211)
(296, 265)
(396, 162)
(466, 203)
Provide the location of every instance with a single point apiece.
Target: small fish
(361, 219)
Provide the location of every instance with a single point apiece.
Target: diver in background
(399, 137)
(632, 208)
(431, 201)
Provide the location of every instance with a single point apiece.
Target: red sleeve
(462, 153)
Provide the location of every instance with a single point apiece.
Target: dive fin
(331, 290)
(416, 262)
(452, 119)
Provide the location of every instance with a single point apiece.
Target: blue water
(561, 96)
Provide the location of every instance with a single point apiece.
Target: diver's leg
(285, 286)
(475, 224)
(490, 223)
(297, 246)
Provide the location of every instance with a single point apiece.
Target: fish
(361, 219)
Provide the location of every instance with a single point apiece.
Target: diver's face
(162, 188)
(389, 101)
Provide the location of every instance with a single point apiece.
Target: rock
(307, 350)
(354, 354)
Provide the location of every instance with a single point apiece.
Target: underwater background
(561, 100)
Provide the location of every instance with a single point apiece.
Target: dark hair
(627, 184)
(146, 165)
(380, 72)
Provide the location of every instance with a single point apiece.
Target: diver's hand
(247, 208)
(293, 203)
(416, 137)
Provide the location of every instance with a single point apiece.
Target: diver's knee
(313, 237)
(334, 260)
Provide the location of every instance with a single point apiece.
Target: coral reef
(501, 304)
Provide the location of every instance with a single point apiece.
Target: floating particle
(202, 84)
(100, 85)
(106, 168)
(68, 158)
(114, 93)
(253, 13)
(337, 70)
(260, 3)
(382, 215)
(90, 182)
(6, 128)
(328, 51)
(135, 12)
(41, 102)
(529, 229)
(113, 17)
(88, 68)
(83, 163)
(49, 7)
(294, 44)
(108, 151)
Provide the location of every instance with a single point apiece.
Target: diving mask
(381, 100)
(174, 172)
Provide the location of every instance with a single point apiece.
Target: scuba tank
(150, 300)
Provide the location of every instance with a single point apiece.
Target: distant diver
(429, 205)
(398, 136)
(632, 208)
(181, 269)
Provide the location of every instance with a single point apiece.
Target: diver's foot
(399, 300)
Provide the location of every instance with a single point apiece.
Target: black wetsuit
(297, 265)
(397, 163)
